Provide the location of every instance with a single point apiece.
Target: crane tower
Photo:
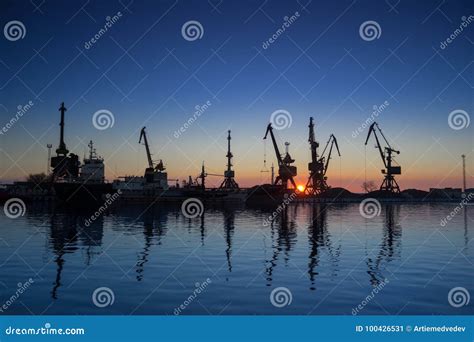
(229, 174)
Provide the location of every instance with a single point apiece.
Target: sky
(145, 70)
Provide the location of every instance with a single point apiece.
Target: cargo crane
(202, 176)
(286, 171)
(317, 181)
(152, 173)
(389, 183)
(64, 166)
(229, 182)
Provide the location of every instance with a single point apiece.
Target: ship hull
(267, 195)
(180, 194)
(80, 193)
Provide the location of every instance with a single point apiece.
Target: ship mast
(92, 152)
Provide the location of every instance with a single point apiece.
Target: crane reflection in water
(283, 235)
(67, 234)
(283, 231)
(310, 248)
(229, 227)
(154, 229)
(320, 241)
(390, 246)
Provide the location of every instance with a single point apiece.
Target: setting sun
(300, 188)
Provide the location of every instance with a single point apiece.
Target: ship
(74, 183)
(89, 186)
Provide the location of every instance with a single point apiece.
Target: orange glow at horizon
(184, 158)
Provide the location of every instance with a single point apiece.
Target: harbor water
(306, 259)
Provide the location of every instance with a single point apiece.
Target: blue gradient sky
(145, 73)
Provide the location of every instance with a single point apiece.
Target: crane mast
(286, 171)
(203, 176)
(389, 183)
(312, 141)
(229, 174)
(64, 165)
(317, 181)
(62, 150)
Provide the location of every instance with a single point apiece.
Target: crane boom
(275, 146)
(372, 129)
(145, 140)
(333, 141)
